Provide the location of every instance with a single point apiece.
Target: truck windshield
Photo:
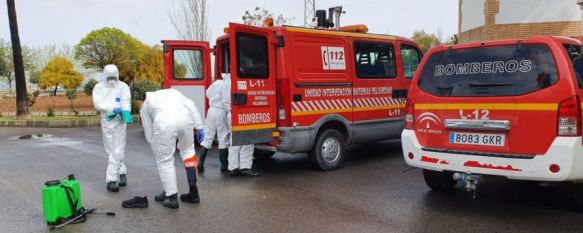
(508, 70)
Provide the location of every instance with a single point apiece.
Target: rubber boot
(112, 186)
(123, 180)
(201, 159)
(223, 157)
(160, 197)
(171, 201)
(192, 195)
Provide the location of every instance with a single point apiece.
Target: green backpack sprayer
(62, 203)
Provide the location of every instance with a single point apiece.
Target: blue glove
(117, 110)
(200, 135)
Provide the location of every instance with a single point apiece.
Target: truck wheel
(329, 150)
(439, 181)
(263, 154)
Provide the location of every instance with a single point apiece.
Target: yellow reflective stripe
(491, 106)
(253, 127)
(339, 33)
(341, 110)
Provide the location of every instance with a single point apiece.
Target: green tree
(60, 71)
(140, 88)
(7, 62)
(151, 64)
(88, 88)
(71, 95)
(425, 41)
(110, 46)
(453, 40)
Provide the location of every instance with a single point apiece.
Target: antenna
(309, 12)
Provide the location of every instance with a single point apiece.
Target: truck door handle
(239, 99)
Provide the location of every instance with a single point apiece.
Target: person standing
(216, 125)
(111, 97)
(168, 119)
(240, 158)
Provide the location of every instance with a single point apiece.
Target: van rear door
(493, 100)
(253, 84)
(187, 69)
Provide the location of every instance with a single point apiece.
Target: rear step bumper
(566, 152)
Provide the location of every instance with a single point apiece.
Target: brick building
(485, 20)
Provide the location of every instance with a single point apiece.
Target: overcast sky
(44, 22)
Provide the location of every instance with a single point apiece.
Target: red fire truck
(301, 90)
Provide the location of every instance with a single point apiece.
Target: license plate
(481, 139)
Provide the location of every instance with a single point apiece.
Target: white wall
(472, 14)
(532, 11)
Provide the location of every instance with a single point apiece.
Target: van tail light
(409, 110)
(569, 120)
(283, 103)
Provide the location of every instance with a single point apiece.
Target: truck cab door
(187, 69)
(253, 84)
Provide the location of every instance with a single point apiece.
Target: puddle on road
(34, 136)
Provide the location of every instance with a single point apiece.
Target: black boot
(171, 201)
(201, 159)
(223, 157)
(123, 180)
(191, 196)
(249, 172)
(112, 186)
(160, 197)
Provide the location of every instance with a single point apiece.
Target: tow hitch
(470, 180)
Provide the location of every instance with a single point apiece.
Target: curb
(58, 124)
(52, 124)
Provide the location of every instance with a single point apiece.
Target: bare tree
(189, 19)
(190, 22)
(256, 17)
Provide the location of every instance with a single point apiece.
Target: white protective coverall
(240, 157)
(216, 118)
(168, 116)
(114, 131)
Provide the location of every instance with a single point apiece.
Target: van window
(576, 55)
(374, 60)
(252, 59)
(489, 71)
(187, 64)
(411, 58)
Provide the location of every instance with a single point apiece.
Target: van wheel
(439, 181)
(329, 150)
(263, 154)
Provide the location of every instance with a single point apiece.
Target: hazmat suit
(167, 117)
(113, 96)
(240, 158)
(216, 124)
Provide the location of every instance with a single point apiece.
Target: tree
(71, 95)
(60, 71)
(21, 96)
(424, 40)
(189, 19)
(110, 46)
(88, 88)
(257, 17)
(7, 61)
(151, 64)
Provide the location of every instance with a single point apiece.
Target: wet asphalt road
(369, 194)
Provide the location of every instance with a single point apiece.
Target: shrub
(140, 88)
(51, 112)
(88, 88)
(31, 99)
(135, 107)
